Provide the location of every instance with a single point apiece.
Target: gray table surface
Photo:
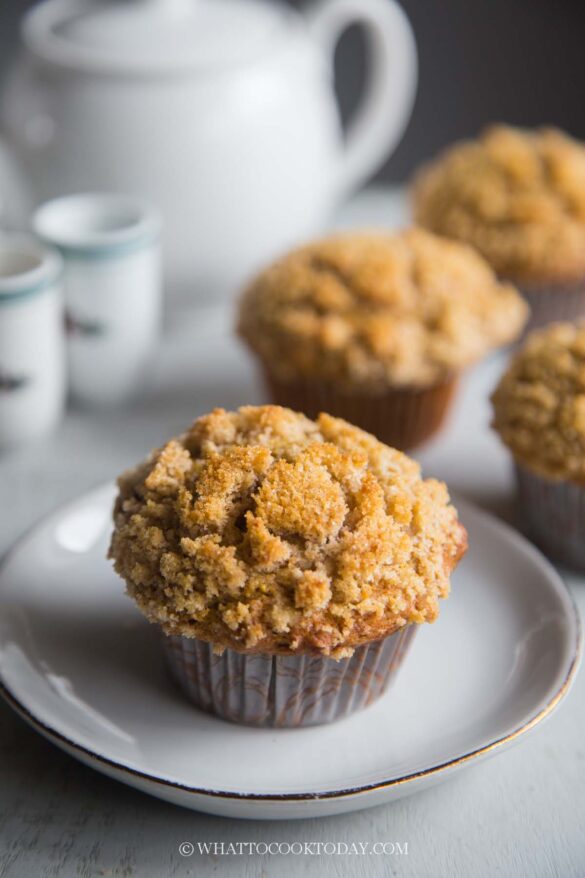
(519, 814)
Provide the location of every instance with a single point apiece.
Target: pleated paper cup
(552, 303)
(402, 418)
(554, 513)
(282, 691)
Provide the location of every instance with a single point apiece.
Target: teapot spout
(16, 199)
(16, 191)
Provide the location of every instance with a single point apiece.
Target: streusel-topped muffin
(539, 413)
(262, 532)
(518, 196)
(261, 529)
(539, 405)
(371, 310)
(376, 326)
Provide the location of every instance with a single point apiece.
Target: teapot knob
(170, 8)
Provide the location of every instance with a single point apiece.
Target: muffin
(287, 561)
(539, 413)
(519, 198)
(376, 328)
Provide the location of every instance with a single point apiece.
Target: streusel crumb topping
(539, 404)
(262, 530)
(374, 310)
(517, 196)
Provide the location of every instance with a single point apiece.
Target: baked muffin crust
(539, 404)
(264, 531)
(369, 311)
(517, 196)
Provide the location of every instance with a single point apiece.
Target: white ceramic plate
(82, 666)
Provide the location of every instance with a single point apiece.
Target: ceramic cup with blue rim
(32, 347)
(113, 289)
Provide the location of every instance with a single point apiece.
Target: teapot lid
(155, 36)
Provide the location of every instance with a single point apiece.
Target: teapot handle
(386, 106)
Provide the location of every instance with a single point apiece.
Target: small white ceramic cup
(113, 289)
(32, 346)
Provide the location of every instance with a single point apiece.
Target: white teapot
(220, 112)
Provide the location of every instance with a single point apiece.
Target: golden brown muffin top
(539, 404)
(264, 531)
(373, 310)
(517, 196)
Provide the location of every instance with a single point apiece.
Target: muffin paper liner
(282, 690)
(552, 303)
(554, 513)
(402, 418)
